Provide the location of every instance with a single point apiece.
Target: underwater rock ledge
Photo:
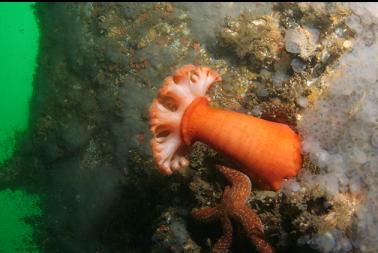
(100, 65)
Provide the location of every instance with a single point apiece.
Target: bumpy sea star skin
(233, 206)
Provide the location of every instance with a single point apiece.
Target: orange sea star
(233, 206)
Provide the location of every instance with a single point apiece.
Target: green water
(19, 36)
(15, 233)
(18, 50)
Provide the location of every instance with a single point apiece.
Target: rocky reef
(87, 154)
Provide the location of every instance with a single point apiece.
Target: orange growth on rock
(266, 151)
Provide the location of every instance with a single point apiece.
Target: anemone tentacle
(176, 94)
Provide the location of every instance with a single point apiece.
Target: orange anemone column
(266, 151)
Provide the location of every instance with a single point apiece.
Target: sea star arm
(261, 245)
(224, 242)
(240, 184)
(207, 214)
(253, 227)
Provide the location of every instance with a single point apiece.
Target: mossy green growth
(18, 50)
(16, 235)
